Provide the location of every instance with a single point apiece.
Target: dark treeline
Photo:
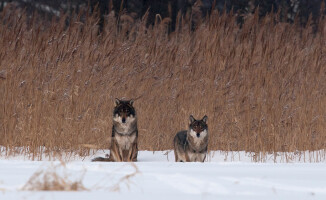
(289, 10)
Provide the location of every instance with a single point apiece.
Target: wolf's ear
(131, 102)
(192, 119)
(205, 119)
(116, 101)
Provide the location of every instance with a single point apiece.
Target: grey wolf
(124, 146)
(191, 145)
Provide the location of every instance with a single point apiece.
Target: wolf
(191, 145)
(124, 146)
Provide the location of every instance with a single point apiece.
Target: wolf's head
(198, 128)
(124, 112)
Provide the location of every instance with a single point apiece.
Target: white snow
(159, 177)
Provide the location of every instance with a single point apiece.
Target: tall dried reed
(262, 86)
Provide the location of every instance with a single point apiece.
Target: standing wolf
(124, 134)
(191, 145)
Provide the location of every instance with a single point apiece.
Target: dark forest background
(289, 10)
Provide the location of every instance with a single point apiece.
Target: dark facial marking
(198, 126)
(124, 109)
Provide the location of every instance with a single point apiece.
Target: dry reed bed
(263, 86)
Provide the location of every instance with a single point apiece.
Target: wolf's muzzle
(198, 135)
(123, 120)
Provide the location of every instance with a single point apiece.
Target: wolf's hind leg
(203, 157)
(180, 156)
(176, 156)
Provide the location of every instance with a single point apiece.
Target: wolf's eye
(125, 110)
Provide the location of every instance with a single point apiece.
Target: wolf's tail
(101, 159)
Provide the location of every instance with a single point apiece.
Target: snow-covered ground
(156, 176)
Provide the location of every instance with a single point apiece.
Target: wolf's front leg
(203, 157)
(132, 154)
(115, 152)
(187, 157)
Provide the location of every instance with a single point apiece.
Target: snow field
(154, 177)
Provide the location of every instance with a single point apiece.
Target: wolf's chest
(197, 142)
(124, 128)
(125, 141)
